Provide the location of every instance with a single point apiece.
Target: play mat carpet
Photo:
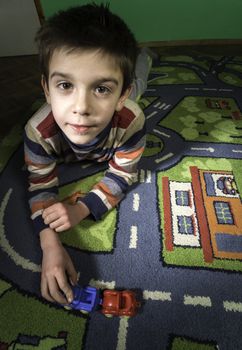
(176, 239)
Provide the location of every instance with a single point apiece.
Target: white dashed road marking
(122, 334)
(210, 89)
(228, 90)
(148, 178)
(145, 176)
(209, 149)
(136, 200)
(162, 106)
(157, 104)
(142, 175)
(232, 306)
(197, 301)
(100, 284)
(133, 237)
(167, 156)
(192, 300)
(157, 295)
(151, 115)
(161, 133)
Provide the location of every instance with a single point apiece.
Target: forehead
(90, 63)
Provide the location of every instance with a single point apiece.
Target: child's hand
(57, 269)
(62, 216)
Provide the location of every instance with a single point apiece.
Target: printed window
(185, 225)
(223, 213)
(182, 198)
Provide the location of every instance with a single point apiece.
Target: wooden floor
(19, 88)
(20, 81)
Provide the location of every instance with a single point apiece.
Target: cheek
(59, 104)
(112, 105)
(107, 111)
(59, 112)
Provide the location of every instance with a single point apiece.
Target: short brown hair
(89, 27)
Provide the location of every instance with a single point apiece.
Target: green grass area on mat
(234, 66)
(174, 75)
(154, 145)
(193, 120)
(203, 63)
(145, 102)
(4, 286)
(230, 78)
(30, 317)
(186, 344)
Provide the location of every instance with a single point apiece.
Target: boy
(87, 57)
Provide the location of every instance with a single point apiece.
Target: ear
(45, 87)
(123, 98)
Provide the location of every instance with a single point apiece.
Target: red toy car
(119, 303)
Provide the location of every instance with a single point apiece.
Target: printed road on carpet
(176, 239)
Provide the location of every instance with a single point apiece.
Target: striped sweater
(121, 143)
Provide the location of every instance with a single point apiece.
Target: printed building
(205, 213)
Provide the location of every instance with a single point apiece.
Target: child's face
(84, 90)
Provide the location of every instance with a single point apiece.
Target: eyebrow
(61, 75)
(97, 81)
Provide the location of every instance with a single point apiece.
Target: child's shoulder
(133, 107)
(42, 122)
(40, 115)
(130, 114)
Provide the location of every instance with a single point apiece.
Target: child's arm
(57, 269)
(41, 150)
(62, 216)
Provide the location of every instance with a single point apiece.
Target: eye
(103, 90)
(64, 85)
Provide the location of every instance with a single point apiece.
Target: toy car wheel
(84, 312)
(67, 307)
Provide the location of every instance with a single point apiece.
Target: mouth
(80, 129)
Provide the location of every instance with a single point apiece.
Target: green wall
(158, 20)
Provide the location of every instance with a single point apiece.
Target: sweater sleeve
(41, 164)
(122, 170)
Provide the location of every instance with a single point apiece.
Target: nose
(81, 104)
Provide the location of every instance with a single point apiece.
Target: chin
(80, 140)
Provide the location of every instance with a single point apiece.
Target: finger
(52, 208)
(47, 211)
(51, 218)
(55, 291)
(45, 290)
(59, 224)
(66, 288)
(62, 228)
(72, 274)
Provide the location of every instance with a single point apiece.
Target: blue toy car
(86, 299)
